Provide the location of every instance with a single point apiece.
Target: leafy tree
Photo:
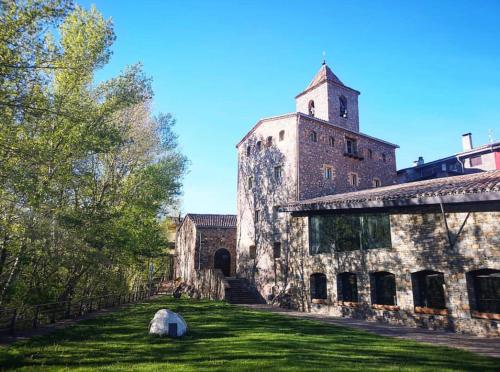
(86, 170)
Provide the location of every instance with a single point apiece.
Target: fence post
(80, 311)
(13, 323)
(35, 317)
(90, 305)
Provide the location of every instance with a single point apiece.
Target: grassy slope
(223, 337)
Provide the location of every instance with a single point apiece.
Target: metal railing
(34, 316)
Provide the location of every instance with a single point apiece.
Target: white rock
(167, 323)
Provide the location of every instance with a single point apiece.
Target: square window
(328, 172)
(351, 146)
(353, 179)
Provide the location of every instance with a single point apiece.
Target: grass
(225, 337)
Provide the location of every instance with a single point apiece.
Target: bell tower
(327, 98)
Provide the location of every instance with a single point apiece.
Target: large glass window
(347, 287)
(486, 290)
(321, 234)
(376, 231)
(348, 232)
(318, 286)
(428, 289)
(383, 286)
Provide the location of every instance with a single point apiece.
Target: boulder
(167, 323)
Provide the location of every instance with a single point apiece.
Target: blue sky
(428, 71)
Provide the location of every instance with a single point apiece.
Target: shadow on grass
(222, 336)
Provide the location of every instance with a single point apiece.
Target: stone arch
(222, 261)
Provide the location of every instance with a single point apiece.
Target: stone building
(323, 223)
(470, 160)
(425, 253)
(317, 150)
(205, 241)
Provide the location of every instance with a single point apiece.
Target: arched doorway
(222, 261)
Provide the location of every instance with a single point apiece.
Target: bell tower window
(311, 108)
(343, 107)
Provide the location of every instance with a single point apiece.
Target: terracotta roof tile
(213, 220)
(324, 74)
(477, 183)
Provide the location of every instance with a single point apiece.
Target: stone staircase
(241, 292)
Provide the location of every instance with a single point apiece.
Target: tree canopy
(86, 170)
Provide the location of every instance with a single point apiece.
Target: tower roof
(324, 74)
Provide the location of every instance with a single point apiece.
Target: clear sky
(428, 71)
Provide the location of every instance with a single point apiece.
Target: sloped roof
(484, 186)
(213, 220)
(324, 74)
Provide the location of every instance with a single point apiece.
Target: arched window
(383, 288)
(269, 141)
(484, 291)
(331, 141)
(259, 145)
(282, 135)
(313, 136)
(318, 286)
(347, 287)
(343, 106)
(384, 158)
(369, 154)
(311, 108)
(428, 289)
(249, 150)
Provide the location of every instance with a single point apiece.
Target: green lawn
(225, 337)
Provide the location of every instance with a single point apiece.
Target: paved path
(479, 345)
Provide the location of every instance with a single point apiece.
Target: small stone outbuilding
(205, 241)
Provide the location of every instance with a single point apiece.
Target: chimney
(420, 160)
(467, 142)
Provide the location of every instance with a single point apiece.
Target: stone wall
(314, 156)
(188, 259)
(213, 239)
(185, 245)
(264, 195)
(419, 242)
(210, 284)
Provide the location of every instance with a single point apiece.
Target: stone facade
(284, 158)
(315, 152)
(197, 243)
(419, 242)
